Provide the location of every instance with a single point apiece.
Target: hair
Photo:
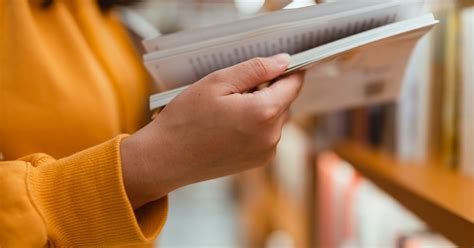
(108, 4)
(103, 4)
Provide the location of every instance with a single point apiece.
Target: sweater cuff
(83, 201)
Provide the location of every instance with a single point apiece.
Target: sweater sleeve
(79, 200)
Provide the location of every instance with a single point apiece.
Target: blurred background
(393, 175)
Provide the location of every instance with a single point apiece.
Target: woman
(72, 89)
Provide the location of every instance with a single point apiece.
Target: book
(354, 212)
(429, 108)
(467, 93)
(424, 239)
(361, 47)
(413, 108)
(450, 113)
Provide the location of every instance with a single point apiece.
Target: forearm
(73, 201)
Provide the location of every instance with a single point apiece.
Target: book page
(357, 77)
(264, 20)
(175, 70)
(309, 58)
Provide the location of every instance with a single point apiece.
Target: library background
(397, 174)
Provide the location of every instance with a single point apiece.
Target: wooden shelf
(465, 3)
(442, 198)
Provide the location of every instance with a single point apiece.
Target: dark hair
(108, 4)
(103, 4)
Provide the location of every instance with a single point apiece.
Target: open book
(334, 42)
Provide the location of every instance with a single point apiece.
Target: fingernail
(282, 59)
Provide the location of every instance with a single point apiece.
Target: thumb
(249, 74)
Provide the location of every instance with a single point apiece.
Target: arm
(79, 200)
(114, 193)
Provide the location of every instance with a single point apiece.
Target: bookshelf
(442, 198)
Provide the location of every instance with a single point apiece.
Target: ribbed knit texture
(69, 79)
(84, 203)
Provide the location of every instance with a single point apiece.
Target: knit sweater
(71, 87)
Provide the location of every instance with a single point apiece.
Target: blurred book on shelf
(450, 90)
(432, 120)
(419, 115)
(424, 240)
(467, 92)
(435, 110)
(354, 212)
(413, 108)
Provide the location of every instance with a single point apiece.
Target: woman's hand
(212, 129)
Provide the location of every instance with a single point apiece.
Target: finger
(249, 74)
(281, 93)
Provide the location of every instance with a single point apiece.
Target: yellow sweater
(69, 83)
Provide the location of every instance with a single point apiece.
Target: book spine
(413, 109)
(467, 93)
(450, 93)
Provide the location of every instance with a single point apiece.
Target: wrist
(140, 180)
